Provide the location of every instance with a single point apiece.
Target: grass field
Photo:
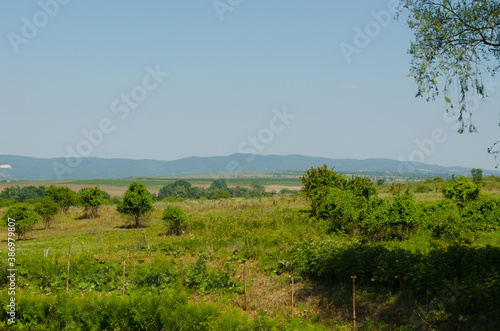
(265, 234)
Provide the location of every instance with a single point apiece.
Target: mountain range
(29, 168)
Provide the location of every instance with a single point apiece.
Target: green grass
(222, 234)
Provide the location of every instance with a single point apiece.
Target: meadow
(422, 281)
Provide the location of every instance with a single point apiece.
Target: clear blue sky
(66, 69)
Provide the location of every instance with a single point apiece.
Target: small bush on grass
(23, 216)
(47, 209)
(175, 219)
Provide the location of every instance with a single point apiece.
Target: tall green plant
(47, 209)
(318, 182)
(175, 219)
(91, 199)
(461, 190)
(24, 218)
(137, 203)
(63, 196)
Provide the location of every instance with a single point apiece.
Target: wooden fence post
(353, 302)
(292, 296)
(123, 286)
(67, 275)
(182, 283)
(245, 285)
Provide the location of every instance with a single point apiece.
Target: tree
(477, 176)
(175, 219)
(24, 218)
(23, 193)
(137, 202)
(461, 190)
(362, 187)
(178, 189)
(223, 194)
(257, 189)
(318, 182)
(456, 43)
(342, 207)
(47, 209)
(91, 199)
(63, 196)
(219, 184)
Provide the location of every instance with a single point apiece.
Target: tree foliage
(362, 187)
(91, 198)
(63, 196)
(461, 190)
(219, 184)
(477, 176)
(456, 43)
(20, 194)
(318, 182)
(137, 202)
(47, 209)
(24, 218)
(175, 219)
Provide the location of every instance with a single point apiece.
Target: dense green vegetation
(218, 190)
(137, 203)
(422, 260)
(158, 183)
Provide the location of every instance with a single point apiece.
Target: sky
(173, 79)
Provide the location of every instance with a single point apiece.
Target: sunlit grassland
(263, 232)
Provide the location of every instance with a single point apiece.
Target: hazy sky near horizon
(173, 79)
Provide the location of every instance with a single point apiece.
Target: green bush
(361, 187)
(47, 209)
(484, 212)
(423, 189)
(461, 190)
(62, 196)
(404, 211)
(23, 216)
(471, 273)
(137, 203)
(318, 182)
(175, 219)
(91, 199)
(342, 207)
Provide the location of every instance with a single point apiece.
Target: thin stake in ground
(123, 286)
(245, 285)
(353, 302)
(67, 274)
(182, 283)
(292, 296)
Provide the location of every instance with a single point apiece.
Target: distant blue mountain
(29, 168)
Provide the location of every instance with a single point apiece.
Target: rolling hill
(29, 168)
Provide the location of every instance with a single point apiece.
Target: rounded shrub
(22, 216)
(175, 219)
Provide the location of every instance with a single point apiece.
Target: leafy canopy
(24, 218)
(91, 199)
(47, 209)
(318, 182)
(477, 176)
(137, 202)
(63, 196)
(219, 184)
(461, 190)
(457, 42)
(175, 218)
